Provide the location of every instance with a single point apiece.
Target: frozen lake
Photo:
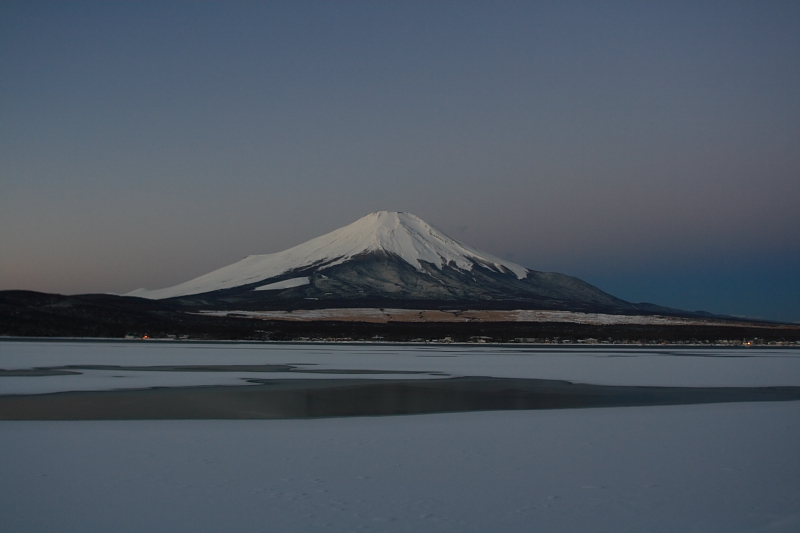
(713, 467)
(138, 364)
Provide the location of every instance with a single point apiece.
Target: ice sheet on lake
(97, 380)
(695, 367)
(712, 468)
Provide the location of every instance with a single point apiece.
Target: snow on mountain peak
(413, 239)
(401, 234)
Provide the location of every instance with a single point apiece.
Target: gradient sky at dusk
(649, 148)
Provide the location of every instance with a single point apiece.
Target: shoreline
(756, 342)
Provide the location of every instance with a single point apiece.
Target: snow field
(710, 468)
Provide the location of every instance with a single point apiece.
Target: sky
(649, 148)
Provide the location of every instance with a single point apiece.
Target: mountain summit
(387, 259)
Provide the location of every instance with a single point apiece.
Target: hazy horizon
(651, 149)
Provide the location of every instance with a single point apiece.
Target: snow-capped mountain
(400, 234)
(386, 259)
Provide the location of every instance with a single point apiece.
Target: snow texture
(285, 284)
(400, 234)
(726, 468)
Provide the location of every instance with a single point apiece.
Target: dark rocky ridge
(32, 314)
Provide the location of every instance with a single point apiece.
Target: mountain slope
(400, 234)
(388, 259)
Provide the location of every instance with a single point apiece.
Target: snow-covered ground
(708, 468)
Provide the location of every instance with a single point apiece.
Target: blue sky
(650, 148)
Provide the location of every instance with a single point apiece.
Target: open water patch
(326, 398)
